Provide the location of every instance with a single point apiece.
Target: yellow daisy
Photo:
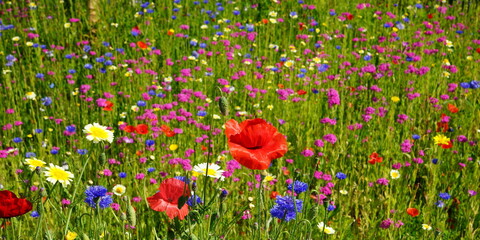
(56, 174)
(441, 139)
(96, 133)
(33, 163)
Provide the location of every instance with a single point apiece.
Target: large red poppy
(141, 129)
(11, 206)
(254, 143)
(167, 199)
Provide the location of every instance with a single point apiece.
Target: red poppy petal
(172, 211)
(252, 159)
(5, 194)
(172, 189)
(231, 128)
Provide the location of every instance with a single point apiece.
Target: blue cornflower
(201, 113)
(39, 75)
(444, 195)
(298, 187)
(151, 169)
(54, 151)
(474, 84)
(38, 130)
(82, 151)
(183, 179)
(30, 155)
(141, 103)
(330, 208)
(88, 66)
(286, 208)
(435, 160)
(149, 142)
(46, 101)
(122, 175)
(415, 137)
(194, 200)
(367, 57)
(341, 175)
(323, 68)
(17, 140)
(98, 195)
(70, 128)
(440, 204)
(35, 214)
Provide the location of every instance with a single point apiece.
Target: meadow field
(246, 119)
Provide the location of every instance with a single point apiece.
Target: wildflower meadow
(240, 119)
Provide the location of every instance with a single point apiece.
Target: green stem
(65, 231)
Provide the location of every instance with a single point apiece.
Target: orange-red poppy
(273, 195)
(452, 108)
(413, 212)
(478, 50)
(264, 21)
(170, 32)
(375, 158)
(301, 92)
(255, 143)
(350, 16)
(141, 129)
(109, 106)
(171, 198)
(142, 45)
(442, 126)
(129, 129)
(11, 206)
(167, 131)
(430, 16)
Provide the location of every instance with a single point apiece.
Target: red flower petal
(255, 143)
(167, 199)
(11, 206)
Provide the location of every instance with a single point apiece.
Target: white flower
(210, 170)
(119, 189)
(325, 229)
(56, 174)
(426, 227)
(394, 174)
(96, 133)
(30, 95)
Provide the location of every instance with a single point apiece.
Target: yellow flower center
(98, 132)
(210, 172)
(59, 174)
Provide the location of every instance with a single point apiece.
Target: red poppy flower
(109, 106)
(254, 143)
(442, 127)
(172, 191)
(430, 16)
(11, 206)
(273, 195)
(452, 108)
(350, 16)
(141, 129)
(264, 21)
(142, 45)
(301, 92)
(413, 212)
(478, 50)
(129, 129)
(375, 158)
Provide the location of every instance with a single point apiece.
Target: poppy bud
(102, 158)
(223, 105)
(132, 218)
(123, 216)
